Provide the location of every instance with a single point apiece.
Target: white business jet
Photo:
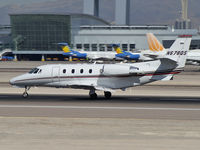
(107, 77)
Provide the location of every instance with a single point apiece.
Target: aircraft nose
(12, 81)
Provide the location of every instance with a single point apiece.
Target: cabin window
(90, 71)
(64, 70)
(81, 71)
(73, 70)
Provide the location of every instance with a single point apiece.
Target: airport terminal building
(5, 38)
(37, 35)
(98, 38)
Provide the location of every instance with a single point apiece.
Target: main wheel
(93, 96)
(107, 95)
(25, 95)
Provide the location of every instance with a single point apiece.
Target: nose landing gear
(25, 94)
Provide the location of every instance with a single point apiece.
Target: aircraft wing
(87, 86)
(193, 57)
(100, 88)
(153, 56)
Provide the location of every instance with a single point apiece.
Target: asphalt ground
(70, 106)
(76, 122)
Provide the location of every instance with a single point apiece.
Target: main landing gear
(107, 94)
(25, 94)
(93, 95)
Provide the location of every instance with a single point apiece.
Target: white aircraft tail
(179, 49)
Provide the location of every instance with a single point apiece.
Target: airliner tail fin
(65, 47)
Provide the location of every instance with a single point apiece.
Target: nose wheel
(25, 94)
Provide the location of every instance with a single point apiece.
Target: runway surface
(137, 107)
(76, 122)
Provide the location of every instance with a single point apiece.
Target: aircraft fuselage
(99, 76)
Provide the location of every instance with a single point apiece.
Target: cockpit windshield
(34, 71)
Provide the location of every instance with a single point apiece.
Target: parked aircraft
(86, 55)
(6, 58)
(107, 77)
(128, 55)
(121, 54)
(157, 50)
(4, 53)
(193, 57)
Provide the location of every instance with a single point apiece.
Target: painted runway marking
(105, 108)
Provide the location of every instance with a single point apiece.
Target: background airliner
(107, 77)
(128, 55)
(4, 53)
(156, 50)
(118, 55)
(67, 51)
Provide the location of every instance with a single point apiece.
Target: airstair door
(55, 74)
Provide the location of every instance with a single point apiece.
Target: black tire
(107, 95)
(93, 96)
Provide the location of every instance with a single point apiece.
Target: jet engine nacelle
(116, 70)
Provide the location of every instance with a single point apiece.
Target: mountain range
(141, 12)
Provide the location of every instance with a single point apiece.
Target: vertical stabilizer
(178, 51)
(117, 48)
(65, 47)
(154, 44)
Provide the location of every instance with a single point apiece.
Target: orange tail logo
(154, 44)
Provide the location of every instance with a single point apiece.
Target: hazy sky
(8, 2)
